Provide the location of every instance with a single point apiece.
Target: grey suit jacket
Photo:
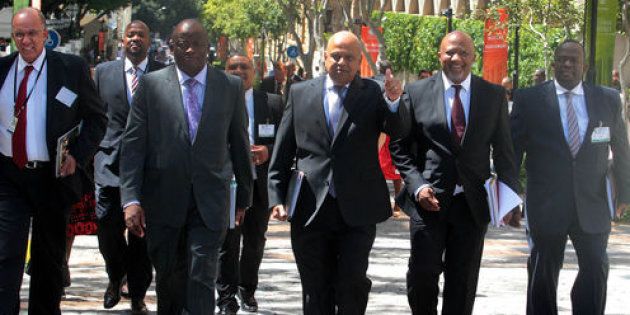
(112, 88)
(429, 155)
(559, 186)
(165, 172)
(349, 160)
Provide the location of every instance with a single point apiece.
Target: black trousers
(447, 242)
(24, 194)
(235, 273)
(185, 260)
(121, 258)
(332, 258)
(588, 295)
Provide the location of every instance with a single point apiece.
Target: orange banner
(372, 46)
(495, 48)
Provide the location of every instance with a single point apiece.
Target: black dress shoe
(228, 309)
(138, 307)
(112, 295)
(248, 301)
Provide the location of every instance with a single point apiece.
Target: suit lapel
(54, 82)
(317, 106)
(593, 118)
(348, 102)
(175, 100)
(260, 111)
(120, 69)
(6, 66)
(212, 96)
(439, 111)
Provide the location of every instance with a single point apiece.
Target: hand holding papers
(63, 143)
(501, 200)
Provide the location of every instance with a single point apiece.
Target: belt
(32, 165)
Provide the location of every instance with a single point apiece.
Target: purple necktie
(193, 111)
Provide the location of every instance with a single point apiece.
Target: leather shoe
(112, 295)
(138, 307)
(228, 309)
(248, 301)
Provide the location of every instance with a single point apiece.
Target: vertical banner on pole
(249, 48)
(495, 48)
(370, 40)
(605, 41)
(222, 48)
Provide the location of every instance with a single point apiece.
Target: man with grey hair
(44, 94)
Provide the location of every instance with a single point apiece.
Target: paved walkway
(501, 290)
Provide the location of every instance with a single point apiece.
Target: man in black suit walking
(116, 82)
(44, 94)
(459, 119)
(274, 83)
(330, 127)
(186, 137)
(567, 128)
(238, 271)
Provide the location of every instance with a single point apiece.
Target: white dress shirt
(142, 69)
(249, 103)
(579, 104)
(36, 148)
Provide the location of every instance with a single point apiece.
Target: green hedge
(413, 42)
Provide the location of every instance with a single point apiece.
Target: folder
(233, 186)
(501, 200)
(293, 192)
(63, 143)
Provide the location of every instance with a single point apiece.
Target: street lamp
(448, 13)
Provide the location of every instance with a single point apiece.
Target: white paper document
(501, 200)
(66, 96)
(233, 186)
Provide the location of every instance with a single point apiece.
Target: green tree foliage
(413, 43)
(244, 18)
(162, 15)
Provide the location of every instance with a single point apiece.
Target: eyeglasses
(30, 34)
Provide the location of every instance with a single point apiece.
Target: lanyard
(28, 95)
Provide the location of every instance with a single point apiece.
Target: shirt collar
(577, 90)
(142, 66)
(448, 83)
(199, 77)
(37, 64)
(330, 84)
(249, 93)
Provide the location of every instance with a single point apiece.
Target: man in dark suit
(458, 121)
(273, 83)
(264, 111)
(44, 94)
(185, 138)
(292, 77)
(117, 82)
(330, 127)
(566, 128)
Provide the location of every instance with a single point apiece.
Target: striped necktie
(134, 80)
(573, 136)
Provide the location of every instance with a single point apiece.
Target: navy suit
(566, 195)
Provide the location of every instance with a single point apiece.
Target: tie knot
(28, 69)
(191, 83)
(457, 88)
(339, 89)
(134, 70)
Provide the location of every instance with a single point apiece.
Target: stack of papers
(501, 200)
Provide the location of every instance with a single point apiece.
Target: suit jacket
(267, 110)
(269, 85)
(429, 155)
(111, 85)
(71, 72)
(165, 172)
(349, 160)
(559, 186)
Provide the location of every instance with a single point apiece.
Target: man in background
(273, 83)
(238, 269)
(116, 83)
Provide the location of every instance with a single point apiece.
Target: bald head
(457, 55)
(189, 44)
(28, 27)
(136, 41)
(342, 57)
